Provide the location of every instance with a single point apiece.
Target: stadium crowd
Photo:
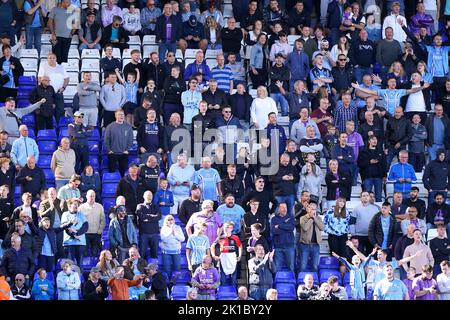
(261, 150)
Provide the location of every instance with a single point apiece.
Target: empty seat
(226, 293)
(29, 53)
(91, 65)
(74, 54)
(149, 40)
(95, 136)
(346, 278)
(328, 263)
(47, 135)
(93, 147)
(44, 161)
(27, 81)
(94, 162)
(29, 120)
(49, 176)
(301, 277)
(134, 41)
(73, 78)
(72, 65)
(63, 133)
(190, 53)
(109, 189)
(325, 274)
(108, 202)
(45, 38)
(46, 147)
(29, 64)
(64, 122)
(90, 54)
(149, 49)
(286, 291)
(181, 277)
(284, 277)
(69, 93)
(179, 291)
(111, 177)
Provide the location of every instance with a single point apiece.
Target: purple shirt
(212, 224)
(208, 277)
(421, 284)
(355, 141)
(409, 284)
(338, 192)
(168, 29)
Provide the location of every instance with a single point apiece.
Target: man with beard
(191, 205)
(438, 213)
(414, 201)
(149, 172)
(155, 70)
(264, 197)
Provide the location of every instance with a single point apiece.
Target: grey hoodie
(9, 123)
(87, 93)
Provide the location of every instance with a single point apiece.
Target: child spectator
(410, 275)
(163, 199)
(329, 141)
(131, 88)
(43, 289)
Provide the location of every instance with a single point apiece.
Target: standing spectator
(74, 241)
(261, 270)
(237, 69)
(284, 183)
(231, 38)
(121, 233)
(233, 184)
(154, 71)
(90, 180)
(231, 212)
(90, 33)
(390, 288)
(44, 116)
(163, 198)
(118, 141)
(132, 21)
(9, 17)
(191, 205)
(392, 21)
(322, 116)
(311, 226)
(112, 97)
(320, 75)
(23, 148)
(95, 288)
(150, 172)
(416, 146)
(258, 61)
(210, 218)
(424, 286)
(424, 257)
(223, 73)
(282, 226)
(168, 31)
(206, 278)
(355, 141)
(414, 201)
(109, 11)
(70, 190)
(148, 215)
(132, 187)
(173, 88)
(311, 181)
(345, 111)
(190, 100)
(31, 178)
(381, 228)
(134, 265)
(436, 177)
(62, 25)
(411, 213)
(197, 246)
(230, 253)
(59, 79)
(79, 134)
(336, 224)
(261, 106)
(362, 55)
(335, 12)
(180, 177)
(388, 50)
(438, 213)
(149, 16)
(91, 7)
(95, 216)
(344, 155)
(68, 282)
(279, 77)
(298, 62)
(63, 163)
(338, 183)
(17, 260)
(343, 75)
(372, 165)
(159, 286)
(13, 69)
(215, 98)
(440, 248)
(435, 126)
(34, 21)
(402, 174)
(363, 214)
(88, 100)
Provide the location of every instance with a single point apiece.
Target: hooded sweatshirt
(63, 163)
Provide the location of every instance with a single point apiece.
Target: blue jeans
(432, 151)
(290, 201)
(286, 254)
(171, 263)
(83, 46)
(433, 193)
(355, 171)
(163, 47)
(148, 241)
(33, 35)
(377, 184)
(309, 251)
(223, 277)
(360, 72)
(279, 98)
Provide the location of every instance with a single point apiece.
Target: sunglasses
(227, 112)
(342, 59)
(20, 280)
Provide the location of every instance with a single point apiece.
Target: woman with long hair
(258, 62)
(90, 180)
(338, 183)
(423, 70)
(213, 39)
(342, 47)
(336, 223)
(311, 181)
(252, 36)
(107, 265)
(398, 72)
(171, 238)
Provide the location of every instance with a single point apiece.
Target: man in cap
(392, 21)
(436, 177)
(95, 288)
(193, 33)
(122, 234)
(90, 33)
(79, 134)
(279, 76)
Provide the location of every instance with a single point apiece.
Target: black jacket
(159, 286)
(167, 143)
(279, 74)
(28, 241)
(160, 29)
(133, 196)
(372, 170)
(48, 93)
(249, 218)
(34, 215)
(419, 204)
(131, 68)
(440, 249)
(362, 53)
(282, 187)
(234, 186)
(265, 198)
(433, 209)
(377, 131)
(437, 175)
(34, 186)
(155, 72)
(17, 71)
(401, 245)
(218, 97)
(6, 210)
(173, 89)
(90, 293)
(106, 35)
(128, 268)
(241, 114)
(430, 127)
(398, 130)
(148, 216)
(207, 122)
(343, 78)
(344, 184)
(14, 262)
(375, 232)
(150, 139)
(187, 209)
(150, 177)
(231, 39)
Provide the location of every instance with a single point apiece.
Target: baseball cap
(121, 209)
(279, 54)
(90, 13)
(415, 188)
(78, 114)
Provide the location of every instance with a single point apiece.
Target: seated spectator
(149, 16)
(193, 34)
(109, 64)
(42, 289)
(438, 213)
(20, 290)
(237, 69)
(115, 34)
(132, 21)
(134, 265)
(90, 33)
(95, 288)
(212, 11)
(336, 290)
(106, 265)
(109, 11)
(298, 17)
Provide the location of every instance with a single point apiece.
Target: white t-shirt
(56, 74)
(260, 109)
(416, 101)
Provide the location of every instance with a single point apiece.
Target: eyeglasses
(227, 112)
(20, 280)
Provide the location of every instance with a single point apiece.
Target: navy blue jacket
(347, 160)
(334, 14)
(160, 29)
(283, 236)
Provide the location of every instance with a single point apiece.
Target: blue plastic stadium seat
(135, 160)
(23, 102)
(183, 262)
(44, 161)
(226, 293)
(111, 177)
(133, 150)
(104, 164)
(64, 122)
(63, 133)
(108, 202)
(346, 279)
(301, 276)
(93, 147)
(348, 289)
(165, 276)
(29, 120)
(326, 273)
(109, 189)
(328, 263)
(47, 135)
(179, 291)
(152, 260)
(284, 277)
(47, 147)
(50, 277)
(95, 136)
(93, 160)
(286, 291)
(49, 176)
(181, 277)
(27, 80)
